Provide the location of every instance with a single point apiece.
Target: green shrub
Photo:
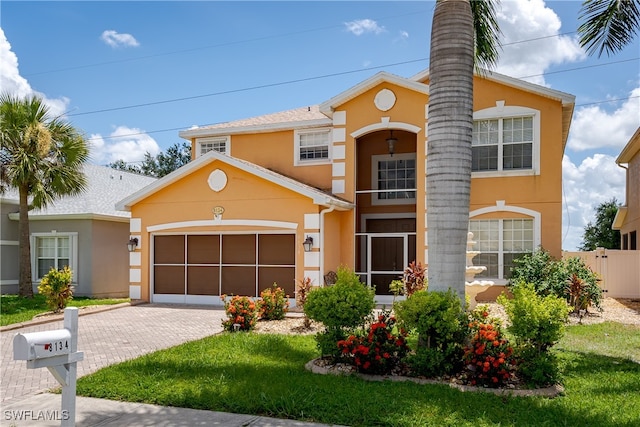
(273, 303)
(537, 323)
(569, 278)
(341, 308)
(241, 311)
(57, 289)
(441, 324)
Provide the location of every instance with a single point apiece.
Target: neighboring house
(627, 219)
(85, 232)
(347, 176)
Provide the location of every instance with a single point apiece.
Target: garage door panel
(168, 279)
(203, 249)
(239, 280)
(239, 249)
(203, 280)
(169, 250)
(276, 249)
(284, 276)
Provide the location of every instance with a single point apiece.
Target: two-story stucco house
(627, 218)
(348, 178)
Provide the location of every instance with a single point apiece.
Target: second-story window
(219, 144)
(503, 144)
(313, 146)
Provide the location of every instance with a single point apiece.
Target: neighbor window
(219, 144)
(53, 251)
(313, 146)
(500, 242)
(394, 178)
(502, 144)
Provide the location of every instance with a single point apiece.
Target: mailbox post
(57, 351)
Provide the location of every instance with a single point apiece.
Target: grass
(16, 309)
(264, 375)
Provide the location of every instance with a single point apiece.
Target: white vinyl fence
(619, 270)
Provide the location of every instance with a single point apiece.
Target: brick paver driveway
(109, 337)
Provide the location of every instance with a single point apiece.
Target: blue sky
(203, 62)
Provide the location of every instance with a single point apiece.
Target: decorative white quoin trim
(339, 152)
(223, 222)
(339, 118)
(314, 275)
(312, 221)
(134, 292)
(338, 169)
(339, 135)
(338, 186)
(135, 275)
(135, 225)
(311, 259)
(135, 259)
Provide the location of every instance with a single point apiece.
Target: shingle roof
(298, 117)
(105, 187)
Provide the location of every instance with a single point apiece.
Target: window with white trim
(220, 144)
(313, 146)
(500, 242)
(393, 173)
(53, 251)
(503, 144)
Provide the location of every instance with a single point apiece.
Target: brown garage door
(215, 264)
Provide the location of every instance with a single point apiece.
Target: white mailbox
(40, 345)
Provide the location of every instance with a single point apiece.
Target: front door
(389, 246)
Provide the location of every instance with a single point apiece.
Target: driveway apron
(107, 338)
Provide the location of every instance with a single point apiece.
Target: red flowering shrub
(380, 351)
(489, 357)
(273, 303)
(240, 311)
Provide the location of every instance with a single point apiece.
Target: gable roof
(329, 106)
(105, 186)
(567, 100)
(298, 118)
(318, 196)
(631, 149)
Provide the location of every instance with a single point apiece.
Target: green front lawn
(16, 309)
(264, 375)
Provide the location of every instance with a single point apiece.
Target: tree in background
(608, 25)
(158, 166)
(600, 234)
(42, 157)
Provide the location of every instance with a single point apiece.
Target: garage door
(198, 268)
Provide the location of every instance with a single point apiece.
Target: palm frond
(486, 33)
(608, 25)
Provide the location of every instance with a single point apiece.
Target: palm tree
(42, 157)
(463, 32)
(609, 25)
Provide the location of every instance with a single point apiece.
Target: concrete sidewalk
(43, 410)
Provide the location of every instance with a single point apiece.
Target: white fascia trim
(223, 222)
(272, 127)
(9, 201)
(329, 106)
(383, 126)
(566, 98)
(50, 217)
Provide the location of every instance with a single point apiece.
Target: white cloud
(597, 179)
(124, 143)
(593, 127)
(14, 84)
(362, 26)
(528, 20)
(115, 39)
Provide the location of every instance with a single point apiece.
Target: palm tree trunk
(450, 127)
(25, 286)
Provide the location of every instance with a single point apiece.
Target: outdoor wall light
(391, 141)
(133, 244)
(308, 244)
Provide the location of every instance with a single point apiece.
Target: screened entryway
(198, 268)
